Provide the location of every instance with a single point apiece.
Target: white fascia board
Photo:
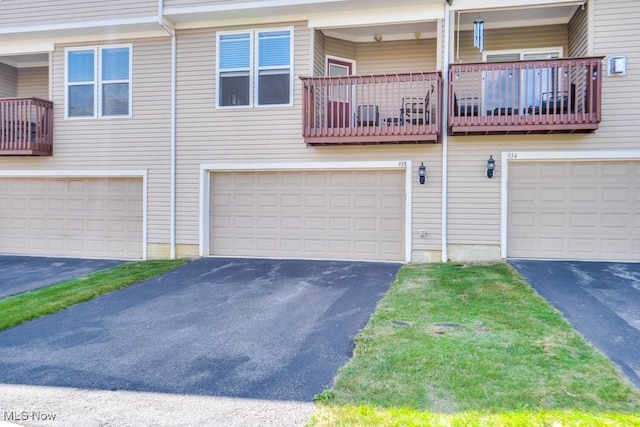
(472, 5)
(239, 5)
(25, 47)
(81, 31)
(509, 156)
(396, 15)
(69, 26)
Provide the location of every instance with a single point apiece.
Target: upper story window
(255, 68)
(98, 82)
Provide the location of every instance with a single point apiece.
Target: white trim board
(205, 190)
(516, 156)
(139, 173)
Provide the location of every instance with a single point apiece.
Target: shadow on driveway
(600, 299)
(24, 273)
(251, 328)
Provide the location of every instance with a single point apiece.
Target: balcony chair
(556, 103)
(415, 110)
(469, 107)
(368, 115)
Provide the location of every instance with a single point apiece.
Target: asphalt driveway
(600, 299)
(24, 273)
(251, 328)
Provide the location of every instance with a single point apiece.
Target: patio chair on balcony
(468, 107)
(556, 103)
(368, 115)
(416, 110)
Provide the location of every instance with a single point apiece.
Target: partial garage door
(310, 214)
(574, 210)
(92, 217)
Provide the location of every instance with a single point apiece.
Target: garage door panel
(313, 214)
(574, 210)
(96, 217)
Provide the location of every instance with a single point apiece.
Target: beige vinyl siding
(244, 136)
(141, 142)
(511, 39)
(319, 54)
(397, 56)
(33, 82)
(341, 49)
(33, 12)
(8, 81)
(616, 32)
(579, 33)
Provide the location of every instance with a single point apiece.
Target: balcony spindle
(26, 127)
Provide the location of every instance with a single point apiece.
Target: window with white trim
(98, 82)
(255, 68)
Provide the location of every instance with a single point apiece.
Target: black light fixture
(422, 173)
(491, 165)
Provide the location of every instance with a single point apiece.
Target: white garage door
(311, 214)
(574, 210)
(83, 217)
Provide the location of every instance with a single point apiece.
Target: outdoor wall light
(422, 173)
(491, 165)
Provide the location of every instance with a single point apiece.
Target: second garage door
(80, 217)
(574, 210)
(309, 214)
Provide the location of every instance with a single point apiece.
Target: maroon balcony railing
(375, 109)
(26, 127)
(541, 96)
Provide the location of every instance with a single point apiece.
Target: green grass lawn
(458, 345)
(40, 302)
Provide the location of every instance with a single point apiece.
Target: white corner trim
(137, 173)
(516, 156)
(207, 168)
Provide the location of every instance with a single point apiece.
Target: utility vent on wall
(617, 66)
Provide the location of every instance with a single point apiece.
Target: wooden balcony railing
(541, 96)
(26, 127)
(375, 109)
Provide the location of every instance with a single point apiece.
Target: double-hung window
(255, 68)
(98, 82)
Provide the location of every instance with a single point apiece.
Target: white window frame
(522, 53)
(97, 82)
(254, 69)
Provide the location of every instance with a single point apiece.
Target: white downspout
(445, 128)
(172, 202)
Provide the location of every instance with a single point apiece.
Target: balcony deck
(26, 127)
(542, 96)
(373, 109)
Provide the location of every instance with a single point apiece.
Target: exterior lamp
(491, 165)
(422, 173)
